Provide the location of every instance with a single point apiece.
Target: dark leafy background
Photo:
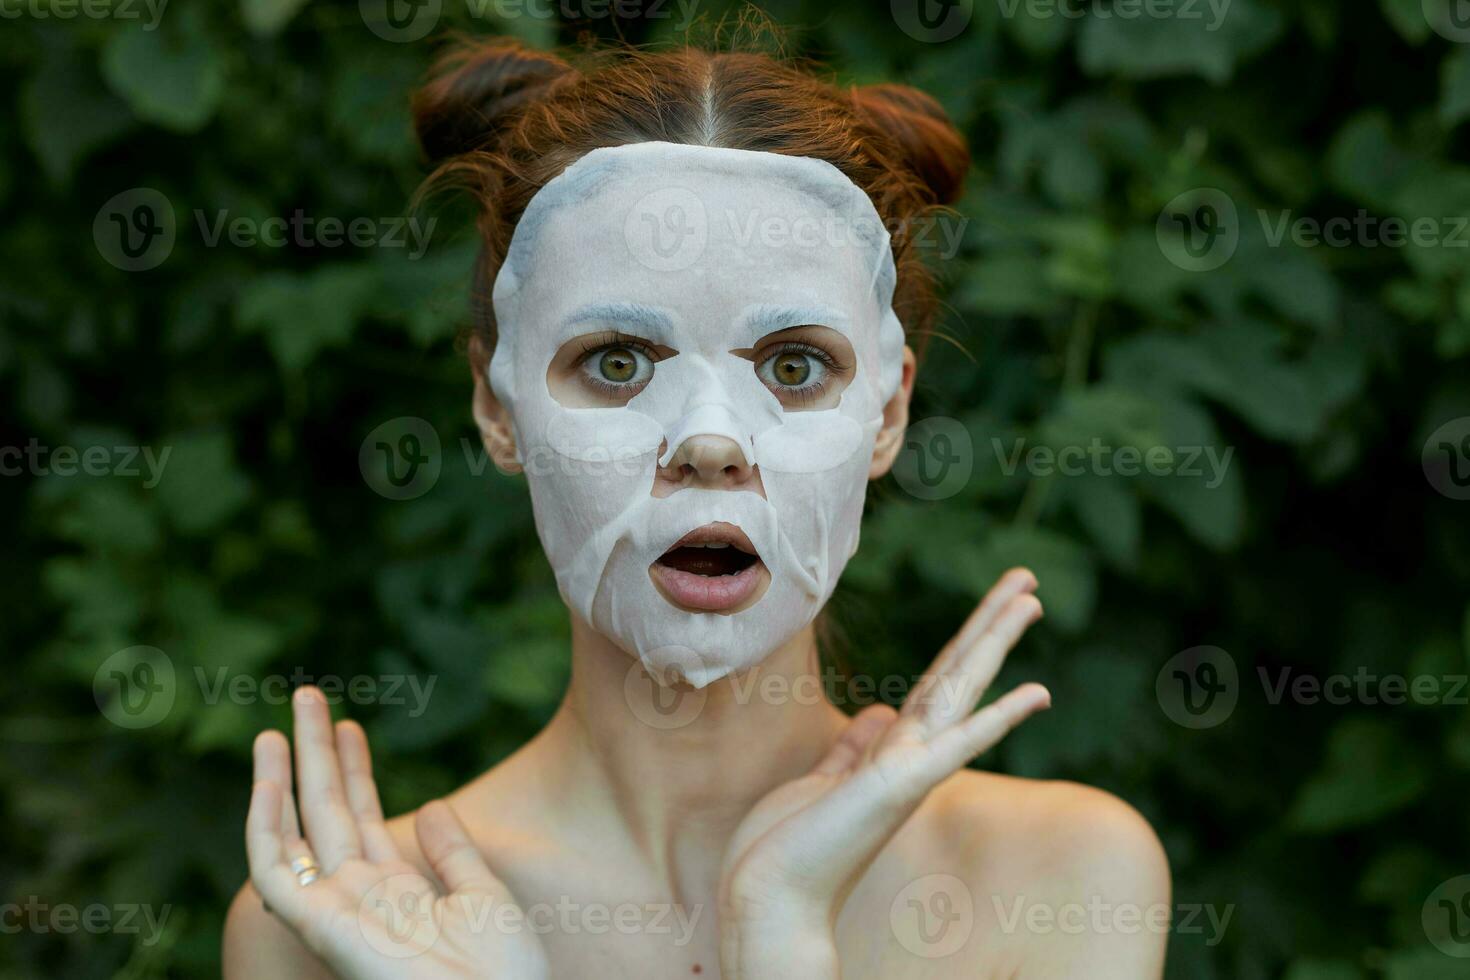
(263, 551)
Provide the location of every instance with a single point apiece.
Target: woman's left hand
(798, 853)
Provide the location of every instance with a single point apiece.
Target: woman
(695, 351)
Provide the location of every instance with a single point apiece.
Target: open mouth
(713, 568)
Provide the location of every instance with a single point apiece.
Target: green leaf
(1466, 634)
(1009, 284)
(1206, 43)
(1366, 163)
(266, 17)
(302, 314)
(201, 487)
(1322, 970)
(1407, 17)
(66, 114)
(1065, 570)
(1040, 32)
(1370, 771)
(1205, 492)
(1454, 100)
(1422, 964)
(1109, 510)
(173, 78)
(367, 109)
(108, 515)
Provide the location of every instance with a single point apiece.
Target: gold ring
(306, 871)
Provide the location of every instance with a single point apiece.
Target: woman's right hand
(372, 915)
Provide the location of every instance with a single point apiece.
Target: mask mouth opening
(713, 568)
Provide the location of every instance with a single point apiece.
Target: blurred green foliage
(262, 551)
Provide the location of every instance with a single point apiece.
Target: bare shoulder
(257, 944)
(1046, 833)
(1040, 878)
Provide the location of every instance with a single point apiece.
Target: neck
(680, 767)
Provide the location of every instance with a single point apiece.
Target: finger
(273, 762)
(265, 852)
(865, 728)
(956, 746)
(966, 683)
(860, 814)
(362, 793)
(330, 828)
(1016, 582)
(450, 852)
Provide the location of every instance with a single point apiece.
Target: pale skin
(763, 837)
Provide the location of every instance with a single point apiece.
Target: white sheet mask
(705, 251)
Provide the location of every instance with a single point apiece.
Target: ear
(895, 420)
(496, 432)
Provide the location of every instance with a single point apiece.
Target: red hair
(502, 120)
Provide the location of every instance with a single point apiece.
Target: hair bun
(931, 145)
(474, 90)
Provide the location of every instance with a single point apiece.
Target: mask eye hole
(603, 369)
(805, 367)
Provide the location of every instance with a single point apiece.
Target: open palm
(373, 915)
(797, 854)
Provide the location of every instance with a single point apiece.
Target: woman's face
(696, 346)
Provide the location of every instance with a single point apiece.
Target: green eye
(791, 370)
(618, 365)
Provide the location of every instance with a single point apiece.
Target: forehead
(718, 248)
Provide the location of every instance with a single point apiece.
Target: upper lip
(719, 532)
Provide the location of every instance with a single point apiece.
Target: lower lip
(708, 593)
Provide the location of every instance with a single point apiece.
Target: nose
(713, 462)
